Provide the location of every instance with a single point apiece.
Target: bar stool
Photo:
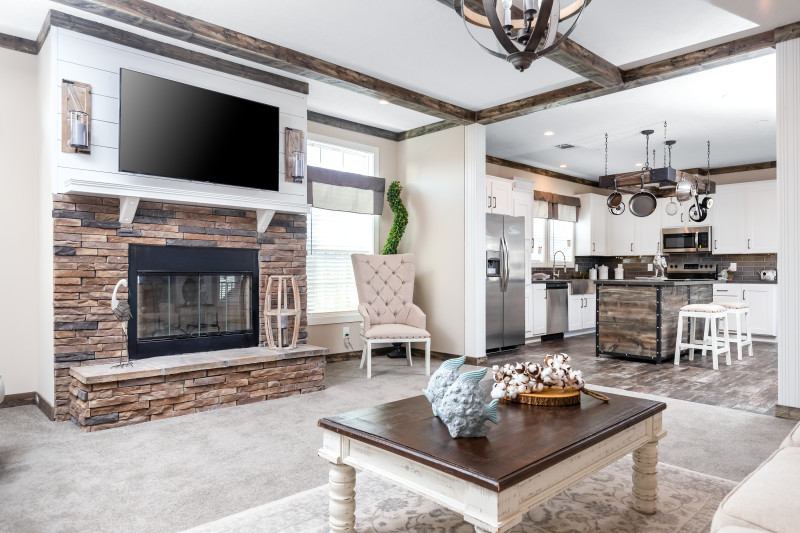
(711, 313)
(740, 311)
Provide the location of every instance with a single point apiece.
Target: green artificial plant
(400, 218)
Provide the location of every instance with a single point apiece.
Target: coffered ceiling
(422, 45)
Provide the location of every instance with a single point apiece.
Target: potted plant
(393, 239)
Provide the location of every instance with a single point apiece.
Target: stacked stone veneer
(90, 255)
(111, 404)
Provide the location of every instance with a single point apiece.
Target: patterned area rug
(686, 503)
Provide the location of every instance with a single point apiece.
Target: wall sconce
(298, 166)
(76, 117)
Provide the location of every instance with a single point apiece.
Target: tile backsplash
(749, 266)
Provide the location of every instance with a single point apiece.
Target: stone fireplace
(206, 298)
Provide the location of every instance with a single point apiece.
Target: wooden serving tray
(554, 397)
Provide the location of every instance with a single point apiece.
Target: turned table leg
(342, 482)
(645, 480)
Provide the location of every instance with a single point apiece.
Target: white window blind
(550, 236)
(334, 235)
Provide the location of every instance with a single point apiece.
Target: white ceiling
(424, 47)
(732, 106)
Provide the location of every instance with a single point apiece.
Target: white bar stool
(711, 313)
(741, 312)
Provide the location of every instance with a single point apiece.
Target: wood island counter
(638, 319)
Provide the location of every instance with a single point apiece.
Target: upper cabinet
(622, 231)
(591, 231)
(745, 218)
(499, 196)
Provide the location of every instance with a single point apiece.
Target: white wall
(432, 169)
(543, 183)
(19, 226)
(330, 335)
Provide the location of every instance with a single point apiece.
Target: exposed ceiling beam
(733, 169)
(536, 170)
(790, 31)
(681, 65)
(350, 125)
(176, 25)
(569, 54)
(18, 44)
(425, 130)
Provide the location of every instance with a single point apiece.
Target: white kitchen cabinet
(647, 234)
(729, 233)
(745, 218)
(762, 217)
(622, 231)
(528, 311)
(539, 308)
(581, 311)
(591, 231)
(763, 302)
(499, 196)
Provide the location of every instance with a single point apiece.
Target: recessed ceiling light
(383, 101)
(562, 166)
(638, 164)
(549, 133)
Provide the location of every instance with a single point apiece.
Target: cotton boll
(511, 392)
(498, 393)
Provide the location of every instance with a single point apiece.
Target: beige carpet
(686, 503)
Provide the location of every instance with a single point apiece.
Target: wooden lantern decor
(281, 311)
(76, 117)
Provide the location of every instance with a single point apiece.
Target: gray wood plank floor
(748, 385)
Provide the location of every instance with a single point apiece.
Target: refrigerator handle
(504, 263)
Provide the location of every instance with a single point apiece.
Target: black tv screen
(176, 130)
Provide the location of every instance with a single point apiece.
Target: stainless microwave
(696, 239)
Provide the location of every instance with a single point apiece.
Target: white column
(474, 240)
(788, 103)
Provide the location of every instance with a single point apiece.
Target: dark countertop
(653, 283)
(748, 282)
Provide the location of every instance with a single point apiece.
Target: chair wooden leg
(369, 359)
(749, 333)
(363, 353)
(678, 341)
(706, 337)
(714, 346)
(428, 357)
(408, 353)
(692, 336)
(738, 335)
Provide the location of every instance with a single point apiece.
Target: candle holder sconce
(76, 117)
(295, 156)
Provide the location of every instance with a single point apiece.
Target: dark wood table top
(528, 440)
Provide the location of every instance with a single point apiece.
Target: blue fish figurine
(445, 376)
(462, 408)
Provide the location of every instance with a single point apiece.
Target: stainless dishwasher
(557, 313)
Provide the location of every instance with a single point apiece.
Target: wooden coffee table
(535, 453)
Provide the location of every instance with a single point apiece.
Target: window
(551, 236)
(334, 235)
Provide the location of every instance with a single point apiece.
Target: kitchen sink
(581, 286)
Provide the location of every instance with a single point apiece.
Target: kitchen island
(638, 319)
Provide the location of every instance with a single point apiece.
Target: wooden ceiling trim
(425, 130)
(785, 33)
(139, 42)
(350, 125)
(536, 170)
(681, 65)
(733, 169)
(586, 63)
(18, 44)
(170, 23)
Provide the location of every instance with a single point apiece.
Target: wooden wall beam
(18, 44)
(536, 170)
(681, 65)
(167, 22)
(139, 42)
(350, 125)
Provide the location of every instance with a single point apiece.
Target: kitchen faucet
(554, 262)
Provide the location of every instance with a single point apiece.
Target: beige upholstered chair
(385, 286)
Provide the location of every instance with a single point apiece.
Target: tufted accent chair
(385, 285)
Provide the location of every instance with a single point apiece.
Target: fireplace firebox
(186, 299)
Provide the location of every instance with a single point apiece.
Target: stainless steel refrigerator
(505, 281)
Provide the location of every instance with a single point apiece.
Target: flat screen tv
(176, 130)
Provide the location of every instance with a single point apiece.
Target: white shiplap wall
(96, 62)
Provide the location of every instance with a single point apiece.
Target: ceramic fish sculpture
(462, 408)
(445, 376)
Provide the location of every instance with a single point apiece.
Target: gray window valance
(555, 206)
(345, 191)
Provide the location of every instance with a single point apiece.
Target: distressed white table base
(488, 510)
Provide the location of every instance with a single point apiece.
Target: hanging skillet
(643, 203)
(614, 200)
(708, 201)
(698, 213)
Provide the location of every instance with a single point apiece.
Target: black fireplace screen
(192, 299)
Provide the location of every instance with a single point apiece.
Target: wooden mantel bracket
(127, 208)
(263, 218)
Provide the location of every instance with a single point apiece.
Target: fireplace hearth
(188, 299)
